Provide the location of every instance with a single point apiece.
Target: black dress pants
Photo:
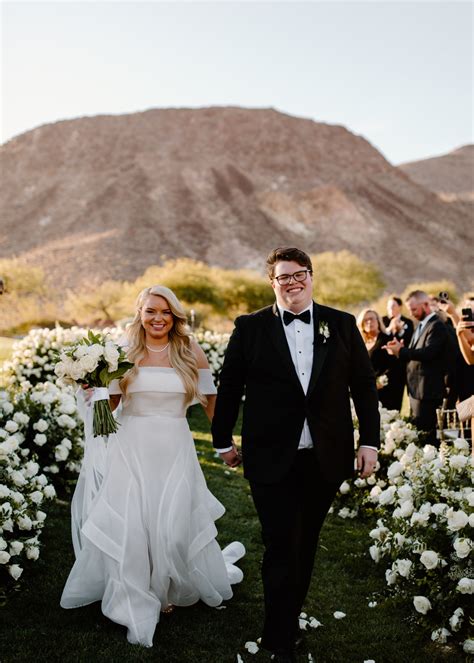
(423, 414)
(291, 514)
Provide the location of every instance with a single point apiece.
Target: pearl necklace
(157, 351)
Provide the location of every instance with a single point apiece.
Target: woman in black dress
(375, 337)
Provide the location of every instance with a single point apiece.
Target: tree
(104, 303)
(21, 279)
(344, 280)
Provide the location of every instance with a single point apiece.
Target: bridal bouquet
(94, 361)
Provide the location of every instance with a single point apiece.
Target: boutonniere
(324, 331)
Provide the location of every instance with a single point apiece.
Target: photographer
(465, 332)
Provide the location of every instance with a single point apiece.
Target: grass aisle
(34, 627)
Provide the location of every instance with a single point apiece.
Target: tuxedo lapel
(320, 349)
(278, 337)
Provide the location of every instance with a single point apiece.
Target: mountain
(451, 175)
(107, 196)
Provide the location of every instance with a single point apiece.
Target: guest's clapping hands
(393, 347)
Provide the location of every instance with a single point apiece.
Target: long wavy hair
(181, 356)
(360, 322)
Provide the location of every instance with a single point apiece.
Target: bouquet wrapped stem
(103, 422)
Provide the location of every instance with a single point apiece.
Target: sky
(398, 73)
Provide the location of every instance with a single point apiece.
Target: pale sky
(398, 73)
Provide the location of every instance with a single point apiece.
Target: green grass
(34, 627)
(6, 345)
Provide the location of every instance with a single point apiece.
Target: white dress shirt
(420, 328)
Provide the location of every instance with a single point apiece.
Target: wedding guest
(296, 362)
(147, 542)
(399, 327)
(375, 338)
(425, 360)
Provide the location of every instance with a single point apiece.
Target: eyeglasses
(299, 277)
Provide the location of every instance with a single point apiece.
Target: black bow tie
(289, 317)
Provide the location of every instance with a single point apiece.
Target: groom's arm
(363, 390)
(230, 390)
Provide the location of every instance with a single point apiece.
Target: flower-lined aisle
(420, 500)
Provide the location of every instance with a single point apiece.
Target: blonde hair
(181, 355)
(360, 322)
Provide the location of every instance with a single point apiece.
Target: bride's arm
(203, 363)
(114, 400)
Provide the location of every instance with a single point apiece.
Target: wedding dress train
(145, 538)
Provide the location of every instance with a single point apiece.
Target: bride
(145, 540)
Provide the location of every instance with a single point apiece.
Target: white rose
(4, 490)
(111, 355)
(36, 496)
(405, 492)
(399, 539)
(61, 453)
(88, 363)
(49, 491)
(429, 452)
(15, 571)
(440, 635)
(344, 488)
(31, 469)
(422, 604)
(65, 421)
(8, 407)
(66, 443)
(391, 576)
(460, 444)
(420, 519)
(374, 553)
(95, 350)
(11, 426)
(456, 520)
(429, 559)
(339, 615)
(404, 567)
(32, 552)
(4, 557)
(41, 425)
(7, 525)
(395, 470)
(6, 509)
(40, 439)
(456, 619)
(462, 547)
(40, 516)
(406, 509)
(3, 543)
(458, 462)
(25, 522)
(465, 586)
(21, 418)
(387, 496)
(468, 646)
(16, 547)
(18, 478)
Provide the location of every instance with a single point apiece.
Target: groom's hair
(287, 254)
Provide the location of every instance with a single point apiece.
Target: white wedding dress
(143, 517)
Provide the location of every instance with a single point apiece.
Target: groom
(297, 363)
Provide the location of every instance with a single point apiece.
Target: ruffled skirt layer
(148, 539)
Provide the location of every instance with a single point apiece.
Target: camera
(467, 315)
(443, 297)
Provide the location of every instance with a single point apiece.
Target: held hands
(393, 347)
(232, 458)
(366, 461)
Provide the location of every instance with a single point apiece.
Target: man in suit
(400, 327)
(426, 361)
(296, 362)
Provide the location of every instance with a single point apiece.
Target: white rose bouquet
(94, 361)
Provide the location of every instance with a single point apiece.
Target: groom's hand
(366, 461)
(231, 458)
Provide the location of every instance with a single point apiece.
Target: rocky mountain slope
(105, 197)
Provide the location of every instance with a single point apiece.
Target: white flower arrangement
(214, 345)
(93, 361)
(50, 431)
(23, 491)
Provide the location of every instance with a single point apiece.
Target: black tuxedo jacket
(407, 331)
(427, 361)
(258, 363)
